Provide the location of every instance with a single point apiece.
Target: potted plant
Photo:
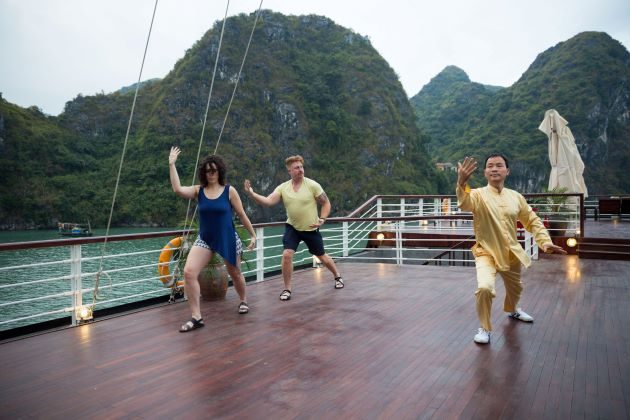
(214, 278)
(555, 210)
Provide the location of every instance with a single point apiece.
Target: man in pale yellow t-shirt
(495, 211)
(300, 196)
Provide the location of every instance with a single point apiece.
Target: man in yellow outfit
(495, 211)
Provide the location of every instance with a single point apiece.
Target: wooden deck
(395, 343)
(607, 228)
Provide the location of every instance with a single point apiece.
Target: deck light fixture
(84, 314)
(316, 262)
(572, 242)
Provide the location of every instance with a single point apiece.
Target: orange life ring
(165, 260)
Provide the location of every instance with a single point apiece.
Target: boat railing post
(437, 208)
(399, 253)
(260, 254)
(402, 212)
(379, 212)
(344, 229)
(452, 209)
(531, 248)
(75, 282)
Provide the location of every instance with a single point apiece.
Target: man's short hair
(501, 155)
(292, 159)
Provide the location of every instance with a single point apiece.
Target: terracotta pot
(558, 227)
(213, 282)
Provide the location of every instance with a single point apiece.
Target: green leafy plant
(555, 209)
(554, 204)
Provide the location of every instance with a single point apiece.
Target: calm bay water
(44, 235)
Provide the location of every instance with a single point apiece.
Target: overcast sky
(53, 50)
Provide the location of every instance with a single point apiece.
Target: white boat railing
(47, 280)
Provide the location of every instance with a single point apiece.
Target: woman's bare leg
(237, 278)
(197, 259)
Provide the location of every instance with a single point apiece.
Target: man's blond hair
(292, 159)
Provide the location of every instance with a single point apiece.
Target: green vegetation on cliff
(586, 79)
(308, 87)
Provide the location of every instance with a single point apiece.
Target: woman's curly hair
(207, 162)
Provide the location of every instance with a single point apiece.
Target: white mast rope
(122, 158)
(238, 78)
(104, 247)
(251, 35)
(203, 129)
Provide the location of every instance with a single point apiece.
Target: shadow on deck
(395, 343)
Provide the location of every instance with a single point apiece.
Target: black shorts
(312, 238)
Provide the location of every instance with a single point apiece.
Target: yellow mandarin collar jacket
(495, 214)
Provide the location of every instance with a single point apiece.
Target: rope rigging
(238, 78)
(122, 159)
(187, 227)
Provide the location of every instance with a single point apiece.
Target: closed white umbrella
(567, 167)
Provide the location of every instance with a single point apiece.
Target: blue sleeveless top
(216, 227)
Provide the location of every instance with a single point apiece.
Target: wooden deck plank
(395, 343)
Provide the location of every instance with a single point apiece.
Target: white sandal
(243, 308)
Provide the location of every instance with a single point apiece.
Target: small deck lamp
(84, 314)
(316, 262)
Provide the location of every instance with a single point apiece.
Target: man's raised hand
(248, 187)
(465, 169)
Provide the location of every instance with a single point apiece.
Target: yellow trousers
(486, 276)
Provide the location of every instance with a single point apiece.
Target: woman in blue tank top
(216, 201)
